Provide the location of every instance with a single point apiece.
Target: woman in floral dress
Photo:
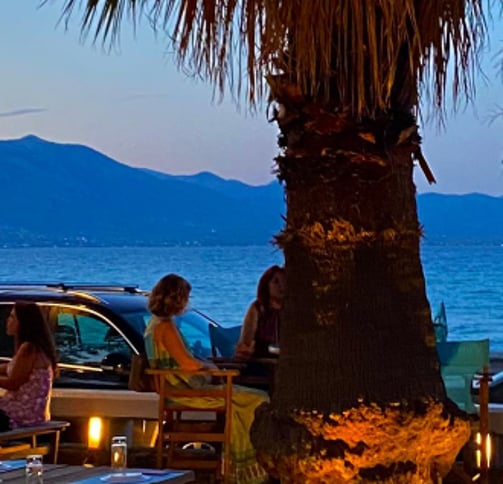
(28, 376)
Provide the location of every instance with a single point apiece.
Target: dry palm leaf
(364, 55)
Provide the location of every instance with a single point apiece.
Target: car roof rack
(131, 288)
(64, 286)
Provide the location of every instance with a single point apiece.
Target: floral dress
(29, 404)
(244, 466)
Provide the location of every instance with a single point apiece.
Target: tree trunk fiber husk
(359, 396)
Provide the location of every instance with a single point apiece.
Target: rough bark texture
(359, 396)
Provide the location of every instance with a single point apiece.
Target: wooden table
(249, 378)
(66, 474)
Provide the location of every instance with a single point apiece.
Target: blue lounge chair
(440, 324)
(459, 361)
(224, 340)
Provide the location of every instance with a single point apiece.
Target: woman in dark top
(261, 324)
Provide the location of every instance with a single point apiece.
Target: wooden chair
(182, 424)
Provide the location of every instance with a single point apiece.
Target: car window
(137, 319)
(83, 338)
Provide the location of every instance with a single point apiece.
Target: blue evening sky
(133, 105)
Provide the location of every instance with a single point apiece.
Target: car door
(92, 352)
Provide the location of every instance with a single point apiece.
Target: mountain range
(72, 195)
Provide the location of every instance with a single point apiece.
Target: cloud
(22, 112)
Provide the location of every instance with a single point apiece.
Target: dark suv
(97, 329)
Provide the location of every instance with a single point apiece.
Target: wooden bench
(24, 440)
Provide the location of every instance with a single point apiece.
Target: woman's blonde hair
(169, 296)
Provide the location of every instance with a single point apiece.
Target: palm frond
(363, 55)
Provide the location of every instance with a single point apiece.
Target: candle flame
(488, 450)
(94, 432)
(485, 447)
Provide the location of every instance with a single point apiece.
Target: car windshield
(193, 326)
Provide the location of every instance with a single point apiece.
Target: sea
(466, 276)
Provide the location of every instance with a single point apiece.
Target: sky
(133, 105)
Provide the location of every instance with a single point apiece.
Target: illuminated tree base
(363, 444)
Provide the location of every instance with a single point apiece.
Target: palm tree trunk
(359, 396)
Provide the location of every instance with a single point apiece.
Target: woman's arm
(246, 344)
(166, 335)
(23, 366)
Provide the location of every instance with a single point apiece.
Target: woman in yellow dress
(166, 348)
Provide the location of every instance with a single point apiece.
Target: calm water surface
(467, 277)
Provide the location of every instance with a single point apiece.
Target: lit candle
(478, 453)
(119, 452)
(117, 457)
(488, 450)
(94, 432)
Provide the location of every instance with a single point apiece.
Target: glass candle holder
(34, 469)
(118, 452)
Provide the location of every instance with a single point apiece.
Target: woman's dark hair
(34, 329)
(263, 296)
(169, 296)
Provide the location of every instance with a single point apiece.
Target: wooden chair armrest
(222, 359)
(204, 372)
(265, 361)
(228, 363)
(231, 366)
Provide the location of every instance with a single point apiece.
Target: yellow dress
(244, 466)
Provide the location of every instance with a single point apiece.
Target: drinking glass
(118, 452)
(34, 469)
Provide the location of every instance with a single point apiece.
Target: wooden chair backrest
(139, 380)
(163, 387)
(222, 393)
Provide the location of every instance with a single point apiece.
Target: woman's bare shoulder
(26, 348)
(255, 307)
(25, 355)
(163, 326)
(29, 351)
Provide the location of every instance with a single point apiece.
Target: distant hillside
(72, 195)
(62, 194)
(461, 217)
(235, 189)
